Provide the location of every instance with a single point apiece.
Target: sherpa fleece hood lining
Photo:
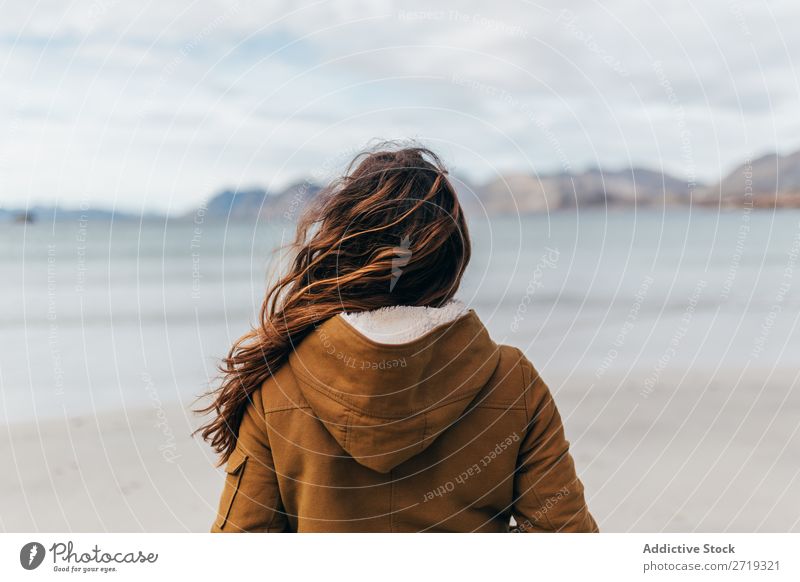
(401, 324)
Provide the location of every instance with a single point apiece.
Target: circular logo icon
(31, 555)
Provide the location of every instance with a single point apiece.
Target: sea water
(99, 315)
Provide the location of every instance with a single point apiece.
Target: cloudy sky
(160, 104)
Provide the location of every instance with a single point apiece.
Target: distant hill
(258, 203)
(771, 180)
(526, 193)
(506, 194)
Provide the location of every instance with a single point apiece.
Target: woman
(368, 398)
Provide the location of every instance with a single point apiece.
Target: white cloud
(161, 103)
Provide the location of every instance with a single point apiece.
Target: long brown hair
(389, 232)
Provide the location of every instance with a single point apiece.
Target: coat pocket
(234, 470)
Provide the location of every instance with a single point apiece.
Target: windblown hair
(389, 232)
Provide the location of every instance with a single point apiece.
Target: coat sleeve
(250, 500)
(548, 496)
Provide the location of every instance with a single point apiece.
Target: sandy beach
(722, 460)
(126, 471)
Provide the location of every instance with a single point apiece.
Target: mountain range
(769, 181)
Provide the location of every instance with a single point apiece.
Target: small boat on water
(25, 218)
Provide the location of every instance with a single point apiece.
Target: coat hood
(387, 401)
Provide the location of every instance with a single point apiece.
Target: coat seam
(286, 408)
(502, 407)
(525, 387)
(422, 444)
(541, 505)
(391, 501)
(492, 406)
(329, 393)
(274, 509)
(346, 429)
(529, 424)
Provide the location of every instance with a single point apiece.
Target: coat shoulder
(281, 392)
(513, 381)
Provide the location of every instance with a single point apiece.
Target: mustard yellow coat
(448, 433)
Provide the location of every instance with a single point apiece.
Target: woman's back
(366, 398)
(402, 419)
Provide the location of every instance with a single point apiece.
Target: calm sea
(99, 315)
